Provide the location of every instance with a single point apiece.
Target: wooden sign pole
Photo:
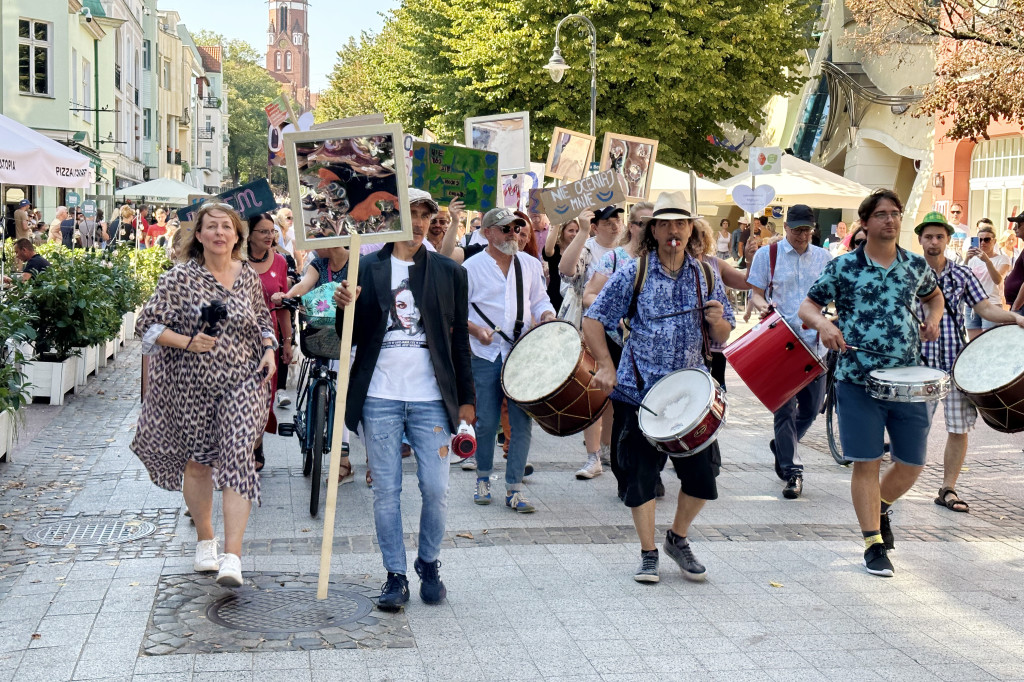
(340, 401)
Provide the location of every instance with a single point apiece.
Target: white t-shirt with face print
(403, 370)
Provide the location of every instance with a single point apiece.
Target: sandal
(954, 504)
(369, 479)
(345, 473)
(260, 459)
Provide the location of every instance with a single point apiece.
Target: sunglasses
(985, 240)
(956, 212)
(505, 229)
(858, 242)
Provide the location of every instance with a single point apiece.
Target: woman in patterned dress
(208, 395)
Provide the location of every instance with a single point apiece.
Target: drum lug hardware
(772, 325)
(807, 369)
(790, 346)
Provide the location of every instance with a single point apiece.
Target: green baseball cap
(933, 218)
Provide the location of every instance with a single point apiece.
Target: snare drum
(690, 409)
(548, 373)
(990, 372)
(908, 384)
(773, 361)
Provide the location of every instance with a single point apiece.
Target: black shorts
(642, 463)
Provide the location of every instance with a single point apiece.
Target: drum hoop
(937, 380)
(543, 398)
(992, 391)
(711, 398)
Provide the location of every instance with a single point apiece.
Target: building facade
(288, 48)
(212, 158)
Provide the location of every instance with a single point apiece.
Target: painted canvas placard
(569, 155)
(449, 172)
(507, 135)
(633, 159)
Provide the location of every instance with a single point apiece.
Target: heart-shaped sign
(753, 200)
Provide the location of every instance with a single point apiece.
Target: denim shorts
(863, 421)
(975, 321)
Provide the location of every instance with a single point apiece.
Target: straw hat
(672, 206)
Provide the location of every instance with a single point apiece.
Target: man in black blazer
(412, 376)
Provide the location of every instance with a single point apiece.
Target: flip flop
(952, 504)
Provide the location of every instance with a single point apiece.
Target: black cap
(607, 212)
(1017, 218)
(800, 215)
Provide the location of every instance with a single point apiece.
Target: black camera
(212, 314)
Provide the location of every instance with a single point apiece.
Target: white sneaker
(230, 574)
(469, 464)
(206, 559)
(283, 400)
(591, 468)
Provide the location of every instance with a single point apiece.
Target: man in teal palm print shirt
(875, 289)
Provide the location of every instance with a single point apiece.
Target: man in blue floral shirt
(875, 289)
(674, 282)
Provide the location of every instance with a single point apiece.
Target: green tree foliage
(677, 71)
(250, 88)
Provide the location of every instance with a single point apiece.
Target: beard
(508, 248)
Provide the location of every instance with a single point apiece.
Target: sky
(332, 22)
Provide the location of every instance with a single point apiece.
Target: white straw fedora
(672, 206)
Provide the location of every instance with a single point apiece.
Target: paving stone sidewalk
(543, 596)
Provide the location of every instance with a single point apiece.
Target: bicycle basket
(318, 342)
(319, 305)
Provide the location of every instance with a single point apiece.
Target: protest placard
(256, 197)
(449, 172)
(562, 204)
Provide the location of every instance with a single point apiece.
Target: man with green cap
(960, 289)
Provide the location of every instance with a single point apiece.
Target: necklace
(259, 260)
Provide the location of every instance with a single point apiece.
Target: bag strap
(639, 279)
(517, 328)
(773, 255)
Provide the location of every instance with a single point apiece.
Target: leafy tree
(250, 88)
(978, 74)
(675, 70)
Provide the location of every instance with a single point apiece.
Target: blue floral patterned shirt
(875, 309)
(658, 347)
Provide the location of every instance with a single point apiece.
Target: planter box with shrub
(52, 380)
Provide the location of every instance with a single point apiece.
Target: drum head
(541, 361)
(991, 361)
(680, 400)
(908, 375)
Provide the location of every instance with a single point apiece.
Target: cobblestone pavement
(542, 596)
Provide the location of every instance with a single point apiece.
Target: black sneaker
(885, 528)
(877, 561)
(528, 470)
(432, 590)
(678, 549)
(394, 593)
(648, 571)
(794, 486)
(775, 454)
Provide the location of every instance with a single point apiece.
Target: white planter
(129, 325)
(111, 347)
(120, 334)
(87, 364)
(105, 352)
(7, 435)
(51, 379)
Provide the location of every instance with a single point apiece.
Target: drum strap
(638, 284)
(517, 328)
(773, 256)
(709, 276)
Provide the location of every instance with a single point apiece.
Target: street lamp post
(557, 67)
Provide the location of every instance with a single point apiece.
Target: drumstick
(681, 312)
(642, 406)
(874, 352)
(914, 313)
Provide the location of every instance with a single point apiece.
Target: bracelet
(189, 342)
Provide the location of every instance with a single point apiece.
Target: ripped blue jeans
(426, 426)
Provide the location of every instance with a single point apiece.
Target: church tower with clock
(288, 48)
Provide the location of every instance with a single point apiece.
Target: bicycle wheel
(832, 429)
(318, 420)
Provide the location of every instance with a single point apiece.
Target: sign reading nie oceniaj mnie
(562, 204)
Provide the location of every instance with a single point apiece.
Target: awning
(668, 179)
(162, 189)
(804, 183)
(28, 157)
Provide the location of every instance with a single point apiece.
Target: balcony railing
(117, 76)
(211, 102)
(206, 133)
(174, 157)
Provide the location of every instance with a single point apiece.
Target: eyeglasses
(985, 240)
(886, 215)
(288, 217)
(263, 232)
(802, 228)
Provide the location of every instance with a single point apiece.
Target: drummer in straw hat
(669, 281)
(959, 286)
(874, 289)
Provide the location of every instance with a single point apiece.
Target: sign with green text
(449, 172)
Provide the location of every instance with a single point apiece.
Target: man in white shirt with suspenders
(507, 297)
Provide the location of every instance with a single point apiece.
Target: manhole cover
(287, 610)
(94, 532)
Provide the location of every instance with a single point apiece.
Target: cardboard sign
(562, 204)
(256, 197)
(449, 172)
(765, 160)
(533, 204)
(277, 111)
(753, 200)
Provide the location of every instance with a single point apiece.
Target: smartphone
(974, 243)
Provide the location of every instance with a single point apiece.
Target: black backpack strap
(773, 256)
(517, 329)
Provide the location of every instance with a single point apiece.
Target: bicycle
(313, 422)
(830, 407)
